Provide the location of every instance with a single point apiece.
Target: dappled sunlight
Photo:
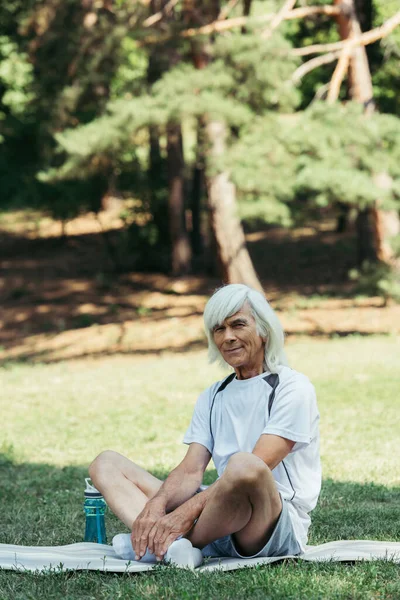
(61, 299)
(86, 331)
(142, 336)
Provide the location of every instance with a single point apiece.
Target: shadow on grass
(60, 295)
(46, 356)
(47, 281)
(43, 505)
(306, 262)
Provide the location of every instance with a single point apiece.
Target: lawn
(57, 417)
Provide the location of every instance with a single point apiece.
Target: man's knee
(102, 465)
(246, 470)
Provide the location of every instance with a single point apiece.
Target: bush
(377, 279)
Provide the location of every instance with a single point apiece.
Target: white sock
(123, 548)
(180, 553)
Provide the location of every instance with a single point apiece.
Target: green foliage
(260, 71)
(247, 76)
(16, 79)
(384, 60)
(323, 155)
(80, 88)
(307, 31)
(226, 89)
(377, 280)
(60, 57)
(343, 151)
(263, 170)
(130, 76)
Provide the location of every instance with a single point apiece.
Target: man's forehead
(244, 312)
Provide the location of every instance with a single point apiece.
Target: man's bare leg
(245, 502)
(125, 486)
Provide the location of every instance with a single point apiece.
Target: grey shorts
(282, 542)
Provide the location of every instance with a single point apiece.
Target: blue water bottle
(95, 508)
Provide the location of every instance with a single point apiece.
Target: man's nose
(229, 335)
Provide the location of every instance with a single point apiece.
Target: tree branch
(320, 93)
(338, 76)
(278, 18)
(159, 15)
(366, 38)
(311, 11)
(314, 63)
(227, 9)
(224, 25)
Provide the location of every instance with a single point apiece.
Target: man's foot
(180, 553)
(123, 547)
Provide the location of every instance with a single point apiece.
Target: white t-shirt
(240, 415)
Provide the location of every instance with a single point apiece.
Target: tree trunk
(197, 192)
(155, 158)
(342, 217)
(180, 247)
(359, 74)
(246, 12)
(156, 173)
(232, 255)
(386, 223)
(372, 229)
(365, 245)
(234, 259)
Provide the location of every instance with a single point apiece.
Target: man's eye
(218, 329)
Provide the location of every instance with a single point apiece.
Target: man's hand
(144, 524)
(176, 491)
(169, 528)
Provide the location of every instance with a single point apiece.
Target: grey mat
(99, 557)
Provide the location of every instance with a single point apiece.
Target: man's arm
(272, 449)
(185, 479)
(179, 486)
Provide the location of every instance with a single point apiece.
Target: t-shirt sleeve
(199, 428)
(294, 413)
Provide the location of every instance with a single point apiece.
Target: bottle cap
(91, 491)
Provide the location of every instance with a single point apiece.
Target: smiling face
(240, 344)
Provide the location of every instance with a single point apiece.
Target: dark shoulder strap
(222, 386)
(273, 381)
(224, 383)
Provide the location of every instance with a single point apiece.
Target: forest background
(167, 137)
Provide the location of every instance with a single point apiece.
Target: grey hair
(228, 300)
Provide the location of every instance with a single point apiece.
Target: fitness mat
(99, 557)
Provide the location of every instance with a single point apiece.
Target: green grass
(56, 418)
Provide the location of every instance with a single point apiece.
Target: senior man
(260, 427)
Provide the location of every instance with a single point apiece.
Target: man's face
(238, 341)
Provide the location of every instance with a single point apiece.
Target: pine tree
(265, 151)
